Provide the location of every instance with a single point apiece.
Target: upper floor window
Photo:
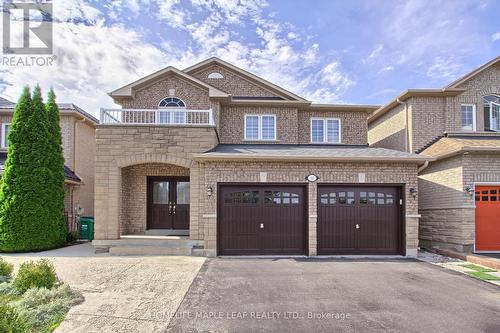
(5, 133)
(325, 130)
(468, 117)
(260, 127)
(215, 75)
(492, 112)
(171, 102)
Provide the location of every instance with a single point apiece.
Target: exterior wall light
(210, 191)
(312, 178)
(413, 192)
(469, 190)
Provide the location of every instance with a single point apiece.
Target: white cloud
(95, 56)
(444, 67)
(495, 36)
(374, 54)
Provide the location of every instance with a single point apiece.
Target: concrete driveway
(301, 295)
(122, 294)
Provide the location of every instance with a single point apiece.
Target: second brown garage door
(359, 220)
(256, 219)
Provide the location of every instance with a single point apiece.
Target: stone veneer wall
(448, 213)
(385, 173)
(134, 193)
(119, 147)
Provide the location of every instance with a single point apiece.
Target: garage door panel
(358, 220)
(274, 223)
(487, 218)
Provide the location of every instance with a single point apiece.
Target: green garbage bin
(87, 227)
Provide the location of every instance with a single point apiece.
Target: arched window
(215, 75)
(492, 112)
(171, 102)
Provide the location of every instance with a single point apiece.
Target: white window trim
(473, 116)
(172, 107)
(3, 134)
(491, 116)
(325, 135)
(259, 126)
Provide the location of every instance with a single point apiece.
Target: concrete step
(156, 241)
(149, 251)
(166, 232)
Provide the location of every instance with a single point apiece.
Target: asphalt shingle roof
(320, 152)
(456, 143)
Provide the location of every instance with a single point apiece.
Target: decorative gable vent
(215, 75)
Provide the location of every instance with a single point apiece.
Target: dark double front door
(168, 203)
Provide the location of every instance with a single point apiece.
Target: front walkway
(335, 295)
(122, 294)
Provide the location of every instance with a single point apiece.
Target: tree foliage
(32, 190)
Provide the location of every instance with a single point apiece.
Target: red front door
(487, 218)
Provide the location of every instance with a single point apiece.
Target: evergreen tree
(27, 197)
(56, 167)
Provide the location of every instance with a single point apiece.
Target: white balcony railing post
(154, 117)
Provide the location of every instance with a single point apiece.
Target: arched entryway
(155, 199)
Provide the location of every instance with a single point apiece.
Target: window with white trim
(5, 133)
(492, 112)
(325, 130)
(468, 113)
(260, 127)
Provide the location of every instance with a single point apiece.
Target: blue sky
(362, 52)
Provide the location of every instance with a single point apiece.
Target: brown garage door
(256, 219)
(359, 220)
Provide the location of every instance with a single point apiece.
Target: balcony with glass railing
(174, 117)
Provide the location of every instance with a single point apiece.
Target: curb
(473, 258)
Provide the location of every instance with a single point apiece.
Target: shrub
(45, 308)
(6, 269)
(11, 321)
(31, 274)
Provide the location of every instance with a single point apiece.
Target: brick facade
(389, 131)
(134, 193)
(377, 173)
(149, 96)
(120, 147)
(232, 83)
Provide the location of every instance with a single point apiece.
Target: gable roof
(245, 74)
(449, 90)
(475, 72)
(453, 144)
(126, 90)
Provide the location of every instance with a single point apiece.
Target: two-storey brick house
(78, 139)
(243, 166)
(458, 126)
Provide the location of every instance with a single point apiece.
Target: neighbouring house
(78, 136)
(215, 160)
(459, 127)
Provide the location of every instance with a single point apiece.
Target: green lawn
(481, 272)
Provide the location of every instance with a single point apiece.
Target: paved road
(248, 295)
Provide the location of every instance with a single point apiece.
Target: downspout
(425, 165)
(407, 136)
